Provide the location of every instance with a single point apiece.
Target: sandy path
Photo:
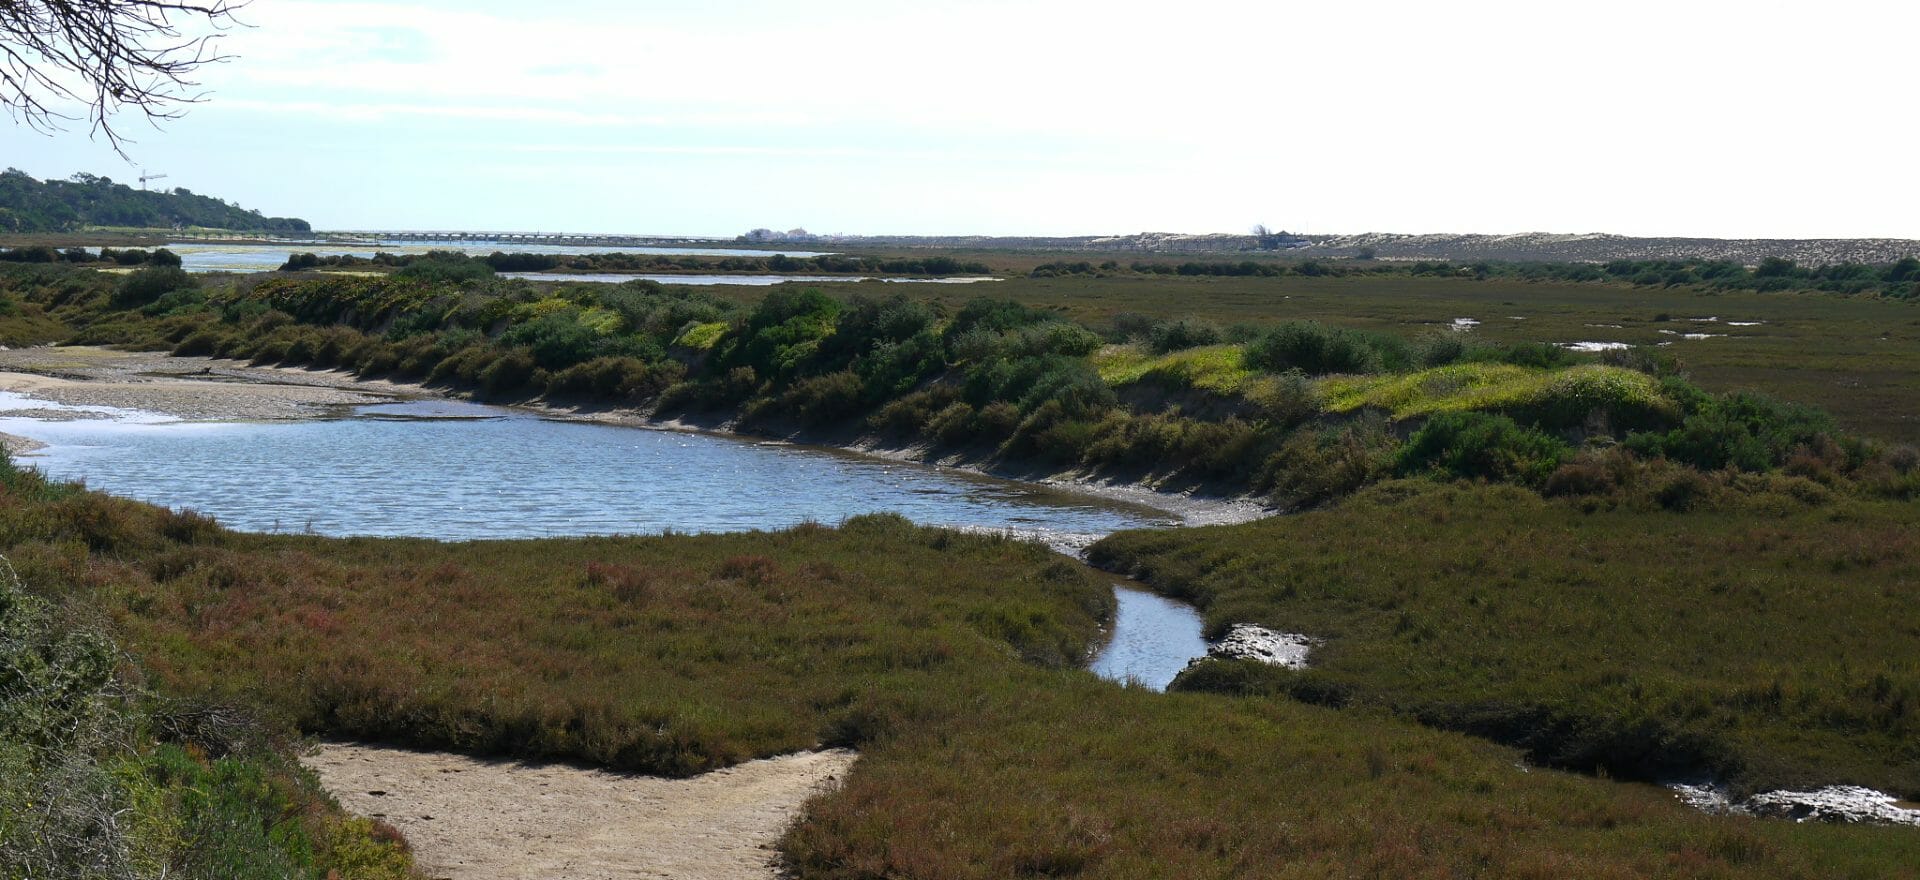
(473, 819)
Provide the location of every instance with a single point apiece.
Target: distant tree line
(82, 256)
(826, 264)
(30, 205)
(1221, 268)
(830, 264)
(1899, 279)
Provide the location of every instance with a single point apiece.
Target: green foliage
(701, 337)
(446, 267)
(557, 339)
(1556, 399)
(1317, 350)
(29, 205)
(1764, 640)
(1220, 369)
(1750, 432)
(822, 401)
(87, 791)
(1000, 379)
(1184, 333)
(932, 651)
(784, 332)
(1481, 446)
(147, 286)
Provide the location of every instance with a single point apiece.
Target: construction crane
(146, 177)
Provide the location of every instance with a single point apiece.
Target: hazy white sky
(979, 116)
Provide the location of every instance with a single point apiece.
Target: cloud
(383, 113)
(1488, 115)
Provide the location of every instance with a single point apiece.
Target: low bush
(1317, 350)
(146, 286)
(1481, 446)
(1181, 334)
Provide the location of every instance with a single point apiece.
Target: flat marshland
(1543, 581)
(984, 754)
(1857, 357)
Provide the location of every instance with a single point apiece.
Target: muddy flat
(476, 819)
(191, 388)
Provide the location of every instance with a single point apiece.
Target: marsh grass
(1766, 637)
(101, 780)
(945, 658)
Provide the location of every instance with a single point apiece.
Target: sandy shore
(190, 388)
(472, 819)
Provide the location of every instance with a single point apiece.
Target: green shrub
(1478, 445)
(145, 286)
(446, 267)
(1315, 466)
(1185, 333)
(511, 372)
(1743, 431)
(912, 413)
(1317, 350)
(953, 425)
(1287, 400)
(557, 340)
(824, 400)
(203, 342)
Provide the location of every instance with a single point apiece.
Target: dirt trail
(473, 819)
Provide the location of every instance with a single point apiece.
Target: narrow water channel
(458, 471)
(1153, 639)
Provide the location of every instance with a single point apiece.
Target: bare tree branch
(108, 55)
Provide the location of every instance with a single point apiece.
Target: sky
(712, 117)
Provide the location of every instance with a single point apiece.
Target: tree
(108, 55)
(1269, 239)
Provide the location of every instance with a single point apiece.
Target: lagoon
(454, 470)
(214, 257)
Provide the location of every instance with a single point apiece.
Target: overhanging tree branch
(108, 55)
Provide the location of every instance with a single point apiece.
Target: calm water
(268, 257)
(1153, 638)
(741, 280)
(455, 470)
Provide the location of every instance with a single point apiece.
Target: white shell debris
(1244, 641)
(1835, 803)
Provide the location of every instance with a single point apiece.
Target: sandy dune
(473, 819)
